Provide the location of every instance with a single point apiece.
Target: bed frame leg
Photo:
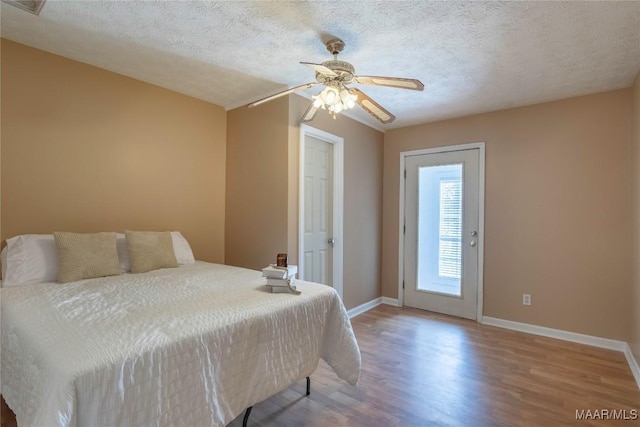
(248, 411)
(246, 416)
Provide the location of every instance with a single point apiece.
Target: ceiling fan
(337, 96)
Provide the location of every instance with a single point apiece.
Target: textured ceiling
(472, 56)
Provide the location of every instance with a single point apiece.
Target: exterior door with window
(441, 232)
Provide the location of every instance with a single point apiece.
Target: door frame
(401, 223)
(338, 201)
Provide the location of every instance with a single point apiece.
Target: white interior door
(441, 238)
(318, 211)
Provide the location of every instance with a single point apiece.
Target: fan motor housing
(344, 70)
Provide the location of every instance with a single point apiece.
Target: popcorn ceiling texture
(472, 56)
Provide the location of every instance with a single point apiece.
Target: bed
(192, 345)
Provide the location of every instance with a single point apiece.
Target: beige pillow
(85, 256)
(150, 250)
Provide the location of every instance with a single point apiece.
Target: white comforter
(191, 346)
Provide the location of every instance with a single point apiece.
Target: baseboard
(570, 336)
(633, 364)
(556, 333)
(531, 329)
(390, 301)
(364, 307)
(371, 304)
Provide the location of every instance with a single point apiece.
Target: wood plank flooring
(425, 369)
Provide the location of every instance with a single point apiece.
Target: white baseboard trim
(530, 329)
(570, 336)
(633, 364)
(390, 301)
(556, 333)
(364, 307)
(372, 304)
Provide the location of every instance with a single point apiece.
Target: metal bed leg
(248, 411)
(246, 416)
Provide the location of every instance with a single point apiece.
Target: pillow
(150, 250)
(123, 253)
(30, 258)
(33, 258)
(85, 256)
(3, 255)
(181, 247)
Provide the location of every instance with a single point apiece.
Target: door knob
(474, 233)
(331, 241)
(472, 243)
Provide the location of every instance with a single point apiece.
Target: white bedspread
(193, 345)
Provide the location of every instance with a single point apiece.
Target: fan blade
(396, 82)
(372, 107)
(283, 93)
(321, 69)
(310, 113)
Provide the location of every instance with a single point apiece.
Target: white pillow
(30, 258)
(123, 253)
(184, 254)
(3, 255)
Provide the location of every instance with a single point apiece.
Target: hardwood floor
(425, 369)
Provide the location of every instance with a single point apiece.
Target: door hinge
(403, 284)
(405, 174)
(404, 229)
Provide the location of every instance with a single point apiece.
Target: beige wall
(634, 339)
(362, 199)
(85, 149)
(557, 210)
(262, 191)
(257, 174)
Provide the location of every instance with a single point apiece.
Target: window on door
(440, 229)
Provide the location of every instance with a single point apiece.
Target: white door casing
(431, 162)
(321, 170)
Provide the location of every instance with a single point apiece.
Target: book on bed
(273, 271)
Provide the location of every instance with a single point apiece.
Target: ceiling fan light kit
(337, 96)
(335, 100)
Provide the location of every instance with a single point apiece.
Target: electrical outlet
(526, 299)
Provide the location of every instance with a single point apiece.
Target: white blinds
(450, 229)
